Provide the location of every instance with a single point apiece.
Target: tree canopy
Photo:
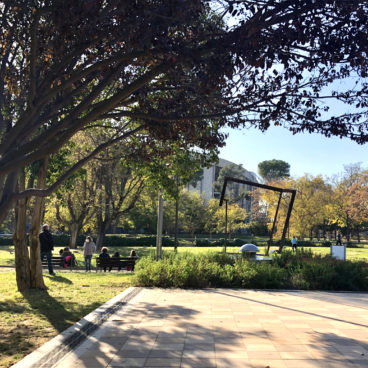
(173, 71)
(271, 170)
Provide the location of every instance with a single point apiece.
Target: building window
(217, 172)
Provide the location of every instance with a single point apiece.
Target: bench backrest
(115, 262)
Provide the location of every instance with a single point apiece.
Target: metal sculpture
(268, 187)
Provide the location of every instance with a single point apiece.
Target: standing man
(293, 243)
(47, 246)
(338, 241)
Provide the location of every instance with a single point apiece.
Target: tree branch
(10, 200)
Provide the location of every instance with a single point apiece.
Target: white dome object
(249, 248)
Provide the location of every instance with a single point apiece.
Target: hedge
(116, 241)
(6, 240)
(302, 270)
(219, 243)
(62, 240)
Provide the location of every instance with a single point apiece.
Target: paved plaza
(230, 328)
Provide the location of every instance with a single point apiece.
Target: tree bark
(22, 267)
(100, 236)
(36, 264)
(74, 232)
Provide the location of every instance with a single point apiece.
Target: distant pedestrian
(47, 246)
(293, 243)
(104, 255)
(89, 247)
(338, 240)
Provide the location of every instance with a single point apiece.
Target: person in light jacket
(89, 247)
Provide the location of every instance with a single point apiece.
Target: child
(68, 258)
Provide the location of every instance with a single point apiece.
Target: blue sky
(306, 153)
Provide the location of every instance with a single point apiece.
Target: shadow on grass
(23, 336)
(60, 315)
(59, 278)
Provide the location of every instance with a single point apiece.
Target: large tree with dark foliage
(173, 70)
(163, 71)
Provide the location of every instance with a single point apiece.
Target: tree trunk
(36, 264)
(74, 232)
(358, 235)
(20, 243)
(99, 240)
(102, 226)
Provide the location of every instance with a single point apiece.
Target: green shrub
(219, 242)
(305, 243)
(351, 244)
(6, 240)
(260, 275)
(259, 228)
(185, 270)
(203, 243)
(326, 243)
(300, 270)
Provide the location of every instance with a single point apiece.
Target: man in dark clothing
(338, 241)
(47, 246)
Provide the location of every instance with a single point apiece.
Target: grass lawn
(27, 320)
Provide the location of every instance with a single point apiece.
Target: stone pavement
(231, 328)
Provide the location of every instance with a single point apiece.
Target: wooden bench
(115, 262)
(56, 261)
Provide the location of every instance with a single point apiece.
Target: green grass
(27, 320)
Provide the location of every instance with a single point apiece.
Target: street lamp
(160, 217)
(226, 201)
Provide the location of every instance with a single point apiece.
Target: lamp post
(226, 201)
(160, 217)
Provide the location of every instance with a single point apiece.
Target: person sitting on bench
(105, 255)
(133, 254)
(117, 256)
(68, 258)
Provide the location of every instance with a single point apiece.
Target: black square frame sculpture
(269, 187)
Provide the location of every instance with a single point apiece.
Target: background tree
(234, 192)
(193, 211)
(71, 207)
(143, 217)
(344, 184)
(211, 223)
(273, 170)
(236, 217)
(358, 203)
(310, 206)
(118, 189)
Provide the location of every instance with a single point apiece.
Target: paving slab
(230, 328)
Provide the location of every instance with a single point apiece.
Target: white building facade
(206, 186)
